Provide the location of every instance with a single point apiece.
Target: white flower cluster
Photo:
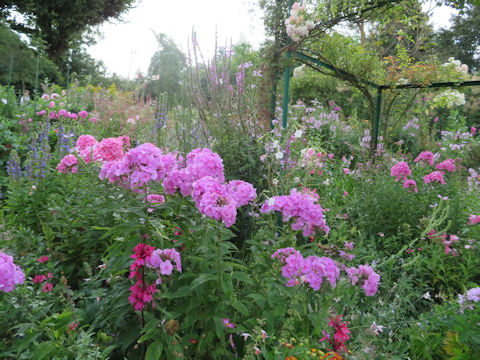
(298, 26)
(299, 71)
(457, 65)
(450, 98)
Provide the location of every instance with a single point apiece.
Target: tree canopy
(58, 22)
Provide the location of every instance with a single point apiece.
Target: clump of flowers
(425, 156)
(111, 149)
(68, 164)
(449, 98)
(147, 256)
(370, 278)
(302, 207)
(85, 146)
(10, 274)
(212, 199)
(448, 165)
(407, 184)
(311, 270)
(434, 176)
(400, 170)
(200, 163)
(470, 298)
(297, 24)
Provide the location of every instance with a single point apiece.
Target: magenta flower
(434, 176)
(400, 170)
(47, 287)
(227, 323)
(68, 164)
(448, 165)
(426, 156)
(366, 273)
(410, 184)
(42, 259)
(302, 208)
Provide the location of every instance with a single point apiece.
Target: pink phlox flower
(159, 257)
(409, 183)
(204, 162)
(448, 165)
(212, 200)
(307, 215)
(315, 269)
(84, 146)
(434, 176)
(348, 245)
(109, 149)
(115, 173)
(400, 170)
(426, 156)
(83, 114)
(242, 192)
(171, 160)
(371, 278)
(474, 219)
(282, 254)
(143, 164)
(68, 164)
(42, 259)
(292, 270)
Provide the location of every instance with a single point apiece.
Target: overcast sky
(128, 46)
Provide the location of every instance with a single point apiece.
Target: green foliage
(59, 25)
(166, 69)
(23, 60)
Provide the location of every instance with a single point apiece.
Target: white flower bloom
(275, 181)
(271, 201)
(298, 134)
(4, 101)
(279, 155)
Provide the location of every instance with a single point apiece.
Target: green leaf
(241, 308)
(203, 278)
(154, 351)
(242, 277)
(43, 349)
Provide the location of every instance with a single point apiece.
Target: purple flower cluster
(162, 261)
(311, 270)
(219, 201)
(138, 167)
(10, 274)
(472, 295)
(370, 278)
(308, 216)
(200, 163)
